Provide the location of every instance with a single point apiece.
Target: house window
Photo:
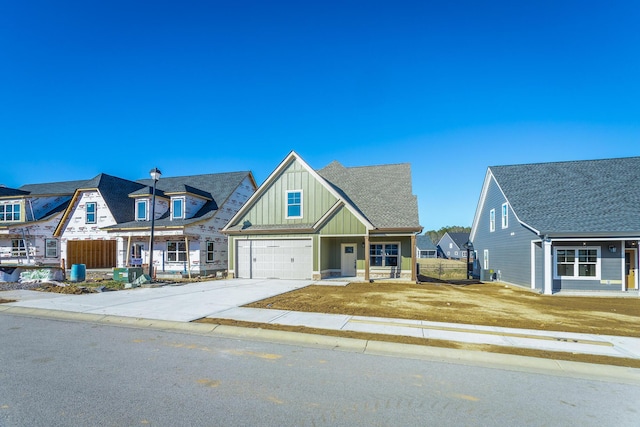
(10, 212)
(294, 204)
(141, 210)
(18, 248)
(176, 251)
(485, 260)
(177, 208)
(210, 253)
(505, 215)
(577, 263)
(51, 248)
(492, 220)
(384, 255)
(91, 208)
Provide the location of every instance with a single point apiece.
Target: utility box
(127, 275)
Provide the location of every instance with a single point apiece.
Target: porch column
(414, 273)
(127, 252)
(186, 242)
(366, 258)
(547, 285)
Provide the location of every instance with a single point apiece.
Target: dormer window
(141, 210)
(10, 212)
(177, 208)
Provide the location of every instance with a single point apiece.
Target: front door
(348, 260)
(631, 267)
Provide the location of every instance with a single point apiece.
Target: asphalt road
(65, 373)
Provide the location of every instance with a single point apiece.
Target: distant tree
(436, 235)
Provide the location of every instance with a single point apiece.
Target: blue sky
(195, 87)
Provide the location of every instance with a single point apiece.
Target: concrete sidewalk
(224, 298)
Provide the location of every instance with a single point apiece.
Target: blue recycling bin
(78, 272)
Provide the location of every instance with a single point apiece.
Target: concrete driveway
(183, 303)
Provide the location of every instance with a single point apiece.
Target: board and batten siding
(270, 208)
(509, 248)
(343, 222)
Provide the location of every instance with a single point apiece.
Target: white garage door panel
(277, 259)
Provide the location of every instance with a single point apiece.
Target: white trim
(146, 209)
(184, 207)
(276, 174)
(86, 212)
(576, 262)
(492, 220)
(533, 264)
(505, 215)
(286, 205)
(547, 257)
(342, 256)
(485, 259)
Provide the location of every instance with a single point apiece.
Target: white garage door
(274, 259)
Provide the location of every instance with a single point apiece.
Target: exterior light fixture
(155, 176)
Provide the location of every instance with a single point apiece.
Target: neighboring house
(454, 245)
(190, 211)
(425, 247)
(560, 226)
(97, 203)
(337, 221)
(28, 218)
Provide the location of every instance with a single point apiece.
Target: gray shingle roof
(590, 196)
(66, 187)
(382, 193)
(424, 243)
(11, 192)
(459, 238)
(115, 192)
(217, 187)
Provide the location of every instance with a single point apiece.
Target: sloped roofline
(274, 176)
(482, 201)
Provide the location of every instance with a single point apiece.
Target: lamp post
(155, 175)
(469, 247)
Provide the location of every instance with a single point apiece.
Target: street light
(155, 175)
(469, 247)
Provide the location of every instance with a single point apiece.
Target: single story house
(425, 248)
(560, 226)
(334, 222)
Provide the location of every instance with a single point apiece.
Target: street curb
(370, 347)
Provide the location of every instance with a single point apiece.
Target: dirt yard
(490, 304)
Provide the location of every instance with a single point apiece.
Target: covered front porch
(581, 264)
(367, 257)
